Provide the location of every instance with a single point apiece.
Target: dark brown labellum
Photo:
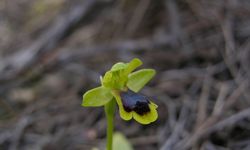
(135, 102)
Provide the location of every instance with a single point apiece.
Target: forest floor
(51, 52)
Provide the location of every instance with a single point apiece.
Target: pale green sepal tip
(101, 79)
(97, 97)
(137, 80)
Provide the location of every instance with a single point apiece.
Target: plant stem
(110, 110)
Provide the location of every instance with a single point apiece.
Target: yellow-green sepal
(97, 97)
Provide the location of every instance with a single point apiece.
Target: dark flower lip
(137, 106)
(132, 101)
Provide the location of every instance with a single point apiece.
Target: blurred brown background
(52, 51)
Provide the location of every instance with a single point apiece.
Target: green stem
(110, 110)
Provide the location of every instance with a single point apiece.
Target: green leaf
(132, 65)
(121, 143)
(138, 79)
(97, 97)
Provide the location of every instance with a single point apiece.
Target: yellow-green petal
(132, 65)
(149, 117)
(137, 80)
(119, 66)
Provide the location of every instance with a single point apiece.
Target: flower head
(123, 85)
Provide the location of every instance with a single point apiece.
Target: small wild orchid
(121, 85)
